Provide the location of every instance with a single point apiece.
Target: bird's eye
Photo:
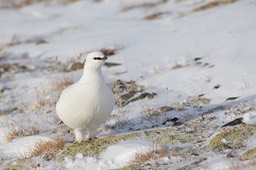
(97, 58)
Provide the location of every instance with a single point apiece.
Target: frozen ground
(180, 70)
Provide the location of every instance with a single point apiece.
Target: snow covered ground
(187, 67)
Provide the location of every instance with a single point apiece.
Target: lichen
(15, 166)
(250, 154)
(169, 136)
(232, 138)
(196, 100)
(178, 106)
(96, 146)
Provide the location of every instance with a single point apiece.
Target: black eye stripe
(97, 58)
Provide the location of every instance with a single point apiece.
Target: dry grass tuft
(177, 66)
(46, 147)
(154, 16)
(43, 102)
(143, 5)
(43, 147)
(15, 4)
(108, 51)
(61, 85)
(15, 130)
(243, 165)
(213, 4)
(153, 153)
(22, 3)
(150, 114)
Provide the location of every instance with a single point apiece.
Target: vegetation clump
(96, 146)
(232, 138)
(213, 4)
(198, 100)
(250, 154)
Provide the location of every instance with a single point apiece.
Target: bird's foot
(79, 135)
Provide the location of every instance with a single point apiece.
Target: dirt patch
(108, 51)
(232, 138)
(154, 16)
(14, 68)
(129, 91)
(196, 62)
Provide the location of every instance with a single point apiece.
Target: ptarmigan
(87, 103)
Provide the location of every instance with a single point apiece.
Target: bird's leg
(79, 135)
(92, 133)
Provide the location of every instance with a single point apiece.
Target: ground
(182, 71)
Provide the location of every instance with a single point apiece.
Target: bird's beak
(104, 58)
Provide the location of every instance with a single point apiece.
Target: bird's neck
(92, 75)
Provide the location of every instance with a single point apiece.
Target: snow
(115, 157)
(20, 146)
(122, 153)
(250, 118)
(148, 51)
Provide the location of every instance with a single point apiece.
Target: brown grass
(43, 102)
(46, 147)
(149, 114)
(15, 129)
(177, 66)
(23, 3)
(42, 147)
(153, 16)
(243, 165)
(150, 154)
(61, 85)
(108, 51)
(143, 5)
(213, 4)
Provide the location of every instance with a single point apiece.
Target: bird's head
(95, 60)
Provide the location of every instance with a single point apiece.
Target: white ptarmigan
(87, 104)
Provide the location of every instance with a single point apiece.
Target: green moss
(162, 109)
(235, 137)
(94, 147)
(177, 106)
(165, 136)
(185, 138)
(250, 154)
(196, 100)
(165, 109)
